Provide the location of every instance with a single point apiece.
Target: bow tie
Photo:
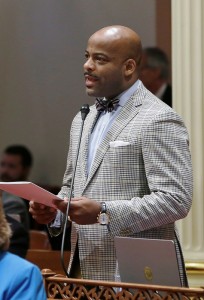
(103, 104)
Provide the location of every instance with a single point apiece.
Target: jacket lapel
(88, 126)
(129, 110)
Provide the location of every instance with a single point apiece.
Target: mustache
(90, 74)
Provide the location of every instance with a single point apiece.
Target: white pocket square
(115, 144)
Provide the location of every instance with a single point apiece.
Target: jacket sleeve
(168, 170)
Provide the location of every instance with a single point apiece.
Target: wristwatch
(103, 217)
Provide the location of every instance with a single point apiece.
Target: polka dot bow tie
(103, 104)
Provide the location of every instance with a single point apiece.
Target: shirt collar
(124, 96)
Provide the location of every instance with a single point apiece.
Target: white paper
(29, 191)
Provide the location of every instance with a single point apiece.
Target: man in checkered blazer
(134, 166)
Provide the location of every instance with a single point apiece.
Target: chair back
(39, 240)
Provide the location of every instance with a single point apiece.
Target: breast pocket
(124, 160)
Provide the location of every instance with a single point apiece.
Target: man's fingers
(38, 208)
(43, 214)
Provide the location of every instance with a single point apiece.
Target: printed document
(29, 191)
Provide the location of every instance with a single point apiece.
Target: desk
(61, 287)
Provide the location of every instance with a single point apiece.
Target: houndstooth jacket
(146, 182)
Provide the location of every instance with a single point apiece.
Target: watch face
(103, 219)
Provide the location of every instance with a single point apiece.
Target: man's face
(103, 69)
(11, 168)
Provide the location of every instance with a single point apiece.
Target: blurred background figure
(20, 279)
(15, 165)
(154, 73)
(19, 240)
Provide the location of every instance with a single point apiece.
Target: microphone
(84, 112)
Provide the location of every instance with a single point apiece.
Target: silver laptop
(147, 261)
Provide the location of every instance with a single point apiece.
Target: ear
(130, 66)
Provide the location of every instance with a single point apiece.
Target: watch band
(103, 207)
(103, 217)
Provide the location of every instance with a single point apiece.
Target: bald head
(124, 39)
(113, 56)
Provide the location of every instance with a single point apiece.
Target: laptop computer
(147, 261)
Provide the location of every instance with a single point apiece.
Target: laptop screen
(147, 261)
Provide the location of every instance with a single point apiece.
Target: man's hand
(41, 213)
(82, 210)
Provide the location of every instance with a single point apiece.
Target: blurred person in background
(15, 165)
(154, 73)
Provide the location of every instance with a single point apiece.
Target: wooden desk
(61, 287)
